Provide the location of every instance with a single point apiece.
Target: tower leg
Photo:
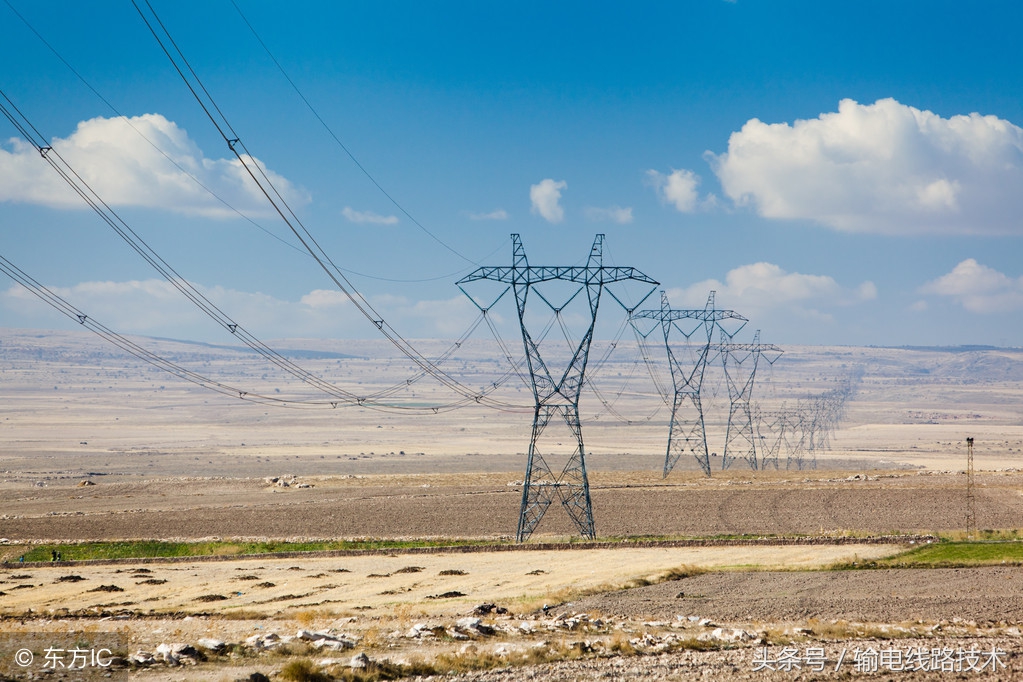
(687, 433)
(574, 484)
(538, 486)
(541, 486)
(739, 438)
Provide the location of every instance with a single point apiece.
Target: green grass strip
(144, 549)
(949, 555)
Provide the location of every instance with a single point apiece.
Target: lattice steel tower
(744, 358)
(687, 432)
(556, 397)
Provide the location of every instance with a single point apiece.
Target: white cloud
(545, 196)
(368, 217)
(138, 307)
(866, 291)
(978, 288)
(883, 167)
(678, 188)
(155, 308)
(761, 289)
(615, 214)
(498, 214)
(125, 169)
(320, 299)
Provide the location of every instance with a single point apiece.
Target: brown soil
(739, 664)
(78, 412)
(983, 595)
(485, 505)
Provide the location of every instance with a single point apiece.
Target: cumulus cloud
(368, 217)
(122, 161)
(762, 288)
(324, 299)
(677, 188)
(545, 197)
(978, 288)
(615, 214)
(498, 214)
(884, 168)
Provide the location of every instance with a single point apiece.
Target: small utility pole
(971, 508)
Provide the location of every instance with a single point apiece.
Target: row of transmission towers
(688, 336)
(689, 341)
(800, 432)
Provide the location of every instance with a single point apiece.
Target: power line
(212, 110)
(428, 367)
(131, 237)
(155, 146)
(171, 367)
(199, 182)
(73, 313)
(343, 146)
(113, 220)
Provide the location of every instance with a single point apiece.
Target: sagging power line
(280, 205)
(131, 237)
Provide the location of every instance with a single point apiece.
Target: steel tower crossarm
(667, 315)
(762, 348)
(556, 397)
(533, 274)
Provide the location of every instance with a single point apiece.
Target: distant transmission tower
(813, 421)
(971, 508)
(556, 397)
(770, 428)
(687, 432)
(740, 362)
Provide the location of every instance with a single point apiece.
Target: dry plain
(97, 446)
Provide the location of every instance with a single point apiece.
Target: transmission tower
(813, 422)
(687, 432)
(743, 359)
(971, 508)
(771, 429)
(556, 397)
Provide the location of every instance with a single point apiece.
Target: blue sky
(840, 173)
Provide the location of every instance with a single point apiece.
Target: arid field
(726, 577)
